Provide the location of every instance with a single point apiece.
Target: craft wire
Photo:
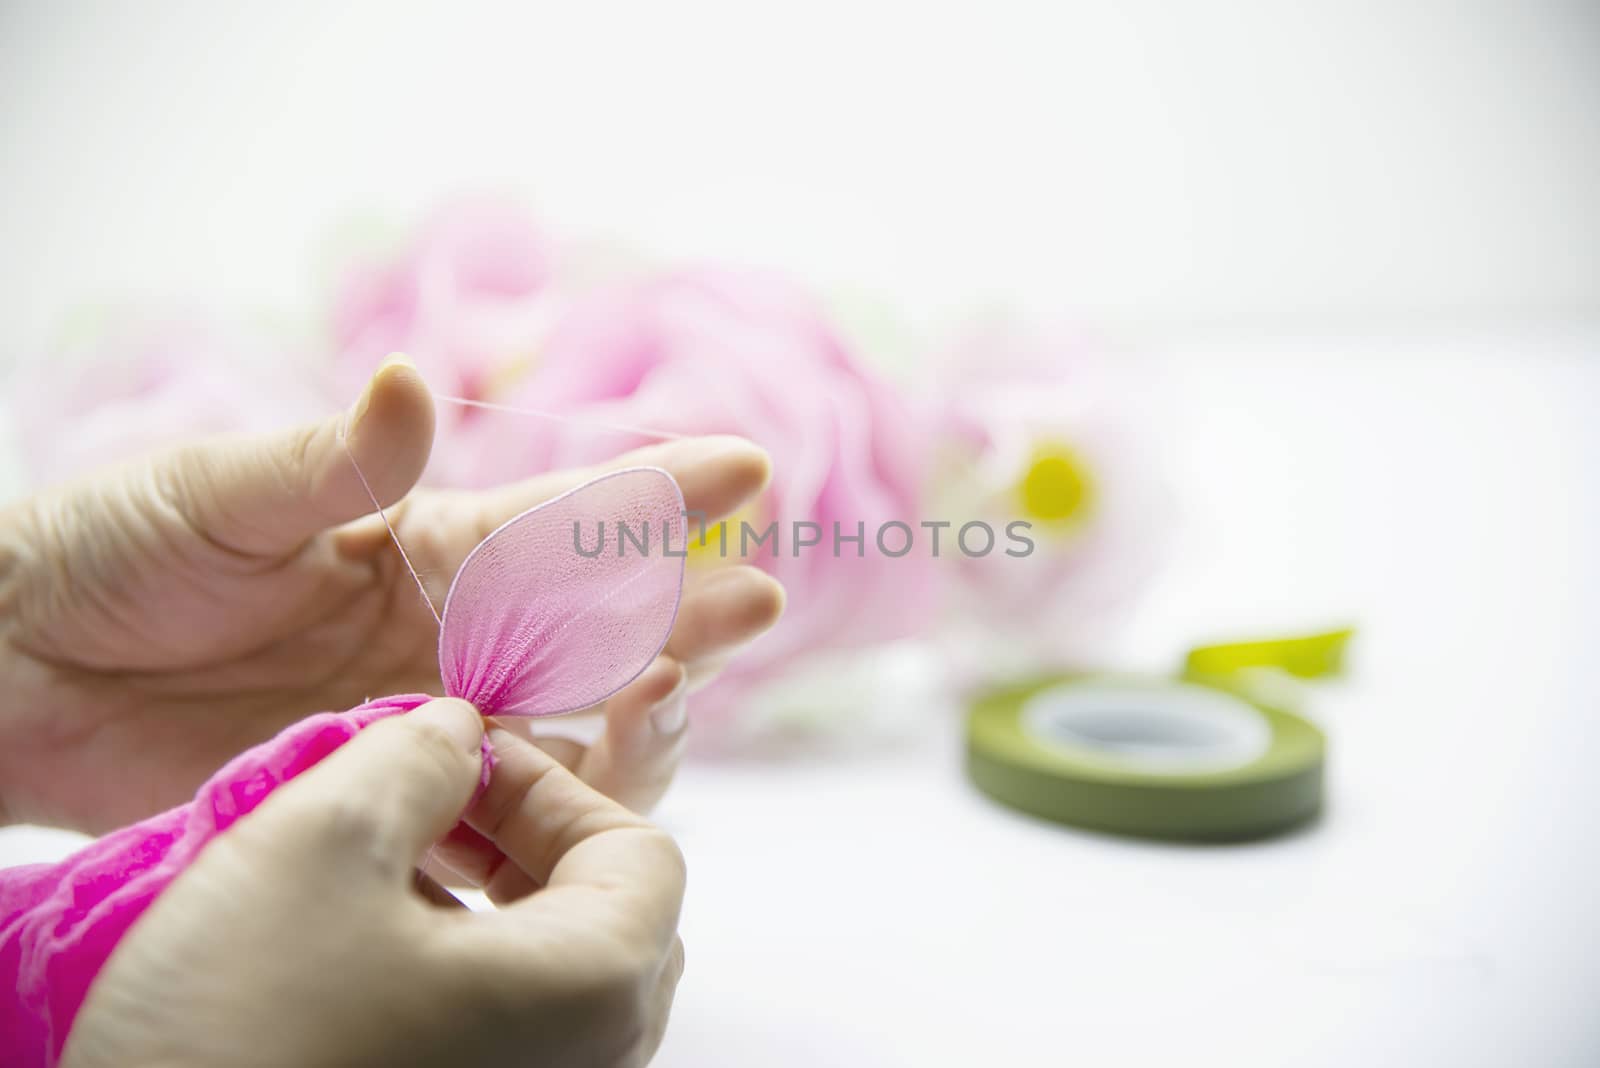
(627, 428)
(538, 413)
(392, 535)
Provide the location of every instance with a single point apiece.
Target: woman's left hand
(161, 616)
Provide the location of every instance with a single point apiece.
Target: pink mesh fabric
(532, 626)
(59, 922)
(562, 606)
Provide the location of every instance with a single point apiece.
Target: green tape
(1314, 656)
(1195, 759)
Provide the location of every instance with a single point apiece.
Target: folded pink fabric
(59, 922)
(534, 625)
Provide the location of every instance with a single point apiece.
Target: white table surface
(864, 906)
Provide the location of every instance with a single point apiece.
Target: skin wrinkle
(153, 702)
(142, 677)
(384, 569)
(180, 539)
(502, 813)
(290, 477)
(15, 564)
(557, 840)
(177, 492)
(95, 580)
(568, 829)
(176, 510)
(61, 574)
(297, 477)
(267, 566)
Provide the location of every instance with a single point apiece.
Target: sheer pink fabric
(535, 625)
(553, 612)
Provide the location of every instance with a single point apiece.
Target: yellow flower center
(1057, 487)
(721, 541)
(507, 373)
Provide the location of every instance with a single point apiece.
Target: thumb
(390, 792)
(266, 494)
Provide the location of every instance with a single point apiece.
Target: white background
(1151, 165)
(1358, 249)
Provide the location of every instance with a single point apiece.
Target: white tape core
(1162, 727)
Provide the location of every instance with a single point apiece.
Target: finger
(470, 859)
(661, 997)
(463, 857)
(266, 494)
(717, 475)
(509, 884)
(720, 612)
(587, 851)
(568, 751)
(389, 793)
(636, 757)
(634, 760)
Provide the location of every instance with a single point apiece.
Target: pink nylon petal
(568, 602)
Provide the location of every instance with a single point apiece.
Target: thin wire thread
(627, 428)
(392, 535)
(664, 435)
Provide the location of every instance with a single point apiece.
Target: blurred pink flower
(704, 352)
(465, 299)
(475, 300)
(1038, 427)
(141, 385)
(1019, 427)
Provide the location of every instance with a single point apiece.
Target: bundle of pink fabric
(534, 625)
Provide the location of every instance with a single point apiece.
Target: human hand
(164, 615)
(303, 935)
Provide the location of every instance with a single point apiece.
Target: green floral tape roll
(1196, 759)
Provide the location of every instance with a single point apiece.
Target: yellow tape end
(1312, 656)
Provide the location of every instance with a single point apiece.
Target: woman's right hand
(305, 936)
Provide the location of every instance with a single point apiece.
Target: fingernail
(352, 418)
(456, 718)
(670, 716)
